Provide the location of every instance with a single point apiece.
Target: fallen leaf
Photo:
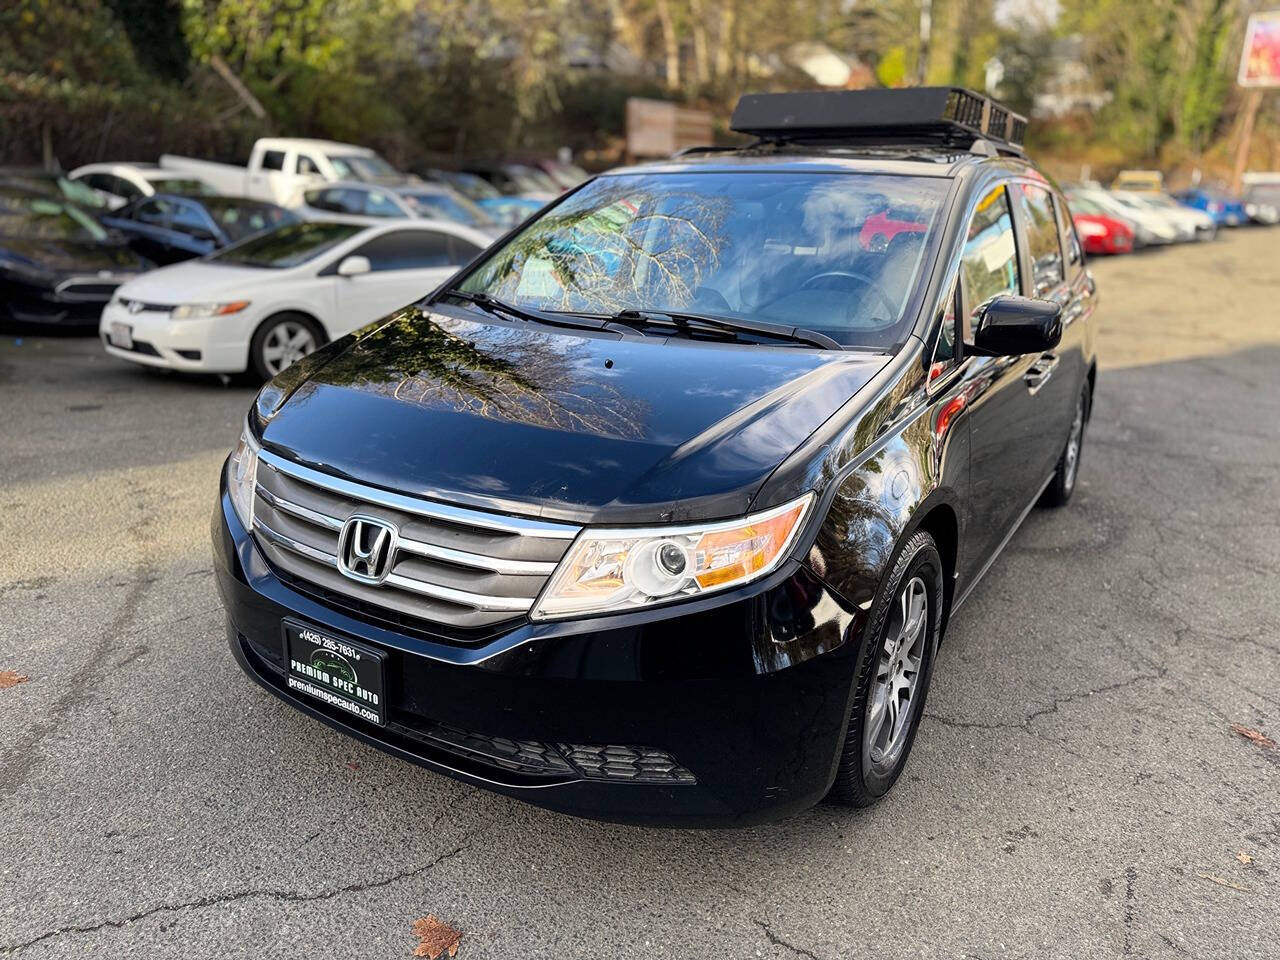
(1223, 882)
(1244, 858)
(1261, 739)
(436, 937)
(352, 765)
(11, 678)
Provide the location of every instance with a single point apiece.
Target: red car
(1101, 234)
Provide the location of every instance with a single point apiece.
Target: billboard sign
(1260, 62)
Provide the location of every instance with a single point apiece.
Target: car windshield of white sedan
(832, 252)
(289, 246)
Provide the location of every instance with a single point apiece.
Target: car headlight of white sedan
(190, 311)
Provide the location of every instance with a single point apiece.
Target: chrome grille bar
(434, 510)
(298, 510)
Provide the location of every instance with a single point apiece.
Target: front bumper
(200, 345)
(21, 303)
(750, 695)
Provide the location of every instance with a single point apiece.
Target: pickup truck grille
(452, 565)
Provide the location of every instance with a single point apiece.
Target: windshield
(357, 166)
(289, 246)
(531, 180)
(450, 206)
(567, 175)
(46, 219)
(477, 188)
(186, 185)
(835, 253)
(242, 218)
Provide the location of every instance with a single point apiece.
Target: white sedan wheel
(285, 344)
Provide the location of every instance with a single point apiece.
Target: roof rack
(949, 116)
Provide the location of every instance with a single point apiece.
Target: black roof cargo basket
(951, 116)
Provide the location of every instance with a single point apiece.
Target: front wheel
(281, 341)
(895, 665)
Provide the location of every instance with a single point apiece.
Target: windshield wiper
(495, 306)
(690, 321)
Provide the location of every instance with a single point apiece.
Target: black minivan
(657, 511)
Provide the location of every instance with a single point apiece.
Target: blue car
(169, 228)
(1226, 211)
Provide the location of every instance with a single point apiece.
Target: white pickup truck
(280, 168)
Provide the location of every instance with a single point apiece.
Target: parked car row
(68, 241)
(1138, 212)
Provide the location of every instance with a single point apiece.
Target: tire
(1063, 484)
(280, 340)
(873, 755)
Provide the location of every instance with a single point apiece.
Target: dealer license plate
(340, 672)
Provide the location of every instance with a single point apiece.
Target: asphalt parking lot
(1076, 791)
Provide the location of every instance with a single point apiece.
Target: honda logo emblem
(366, 549)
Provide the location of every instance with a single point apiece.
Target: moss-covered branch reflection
(508, 374)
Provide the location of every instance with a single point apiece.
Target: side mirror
(354, 266)
(1009, 326)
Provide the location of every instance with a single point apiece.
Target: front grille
(87, 290)
(464, 568)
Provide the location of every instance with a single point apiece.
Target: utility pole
(926, 33)
(1253, 100)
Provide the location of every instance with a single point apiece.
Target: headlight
(610, 570)
(187, 311)
(242, 476)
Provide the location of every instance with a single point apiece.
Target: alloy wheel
(1071, 458)
(897, 680)
(285, 344)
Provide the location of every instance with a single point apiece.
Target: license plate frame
(120, 335)
(326, 666)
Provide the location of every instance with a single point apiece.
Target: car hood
(547, 422)
(196, 281)
(64, 258)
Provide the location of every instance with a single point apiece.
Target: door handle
(1038, 373)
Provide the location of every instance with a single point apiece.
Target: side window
(273, 160)
(321, 199)
(378, 204)
(123, 188)
(306, 165)
(1043, 240)
(407, 250)
(154, 212)
(989, 263)
(1071, 240)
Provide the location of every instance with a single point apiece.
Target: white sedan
(263, 303)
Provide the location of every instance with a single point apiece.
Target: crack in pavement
(286, 896)
(1025, 723)
(777, 941)
(19, 762)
